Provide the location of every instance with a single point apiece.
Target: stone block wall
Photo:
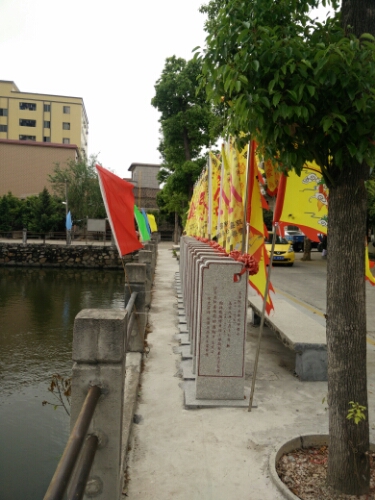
(82, 256)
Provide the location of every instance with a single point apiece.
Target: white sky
(92, 49)
(89, 49)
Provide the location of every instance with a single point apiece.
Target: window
(66, 140)
(3, 112)
(46, 124)
(3, 128)
(66, 126)
(28, 105)
(46, 139)
(46, 108)
(66, 110)
(27, 123)
(27, 138)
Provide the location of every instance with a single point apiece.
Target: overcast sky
(110, 53)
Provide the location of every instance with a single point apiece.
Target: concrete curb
(303, 441)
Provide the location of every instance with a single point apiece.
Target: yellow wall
(10, 99)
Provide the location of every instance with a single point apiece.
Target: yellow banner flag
(368, 266)
(224, 199)
(303, 201)
(272, 177)
(191, 226)
(152, 222)
(257, 247)
(237, 167)
(215, 170)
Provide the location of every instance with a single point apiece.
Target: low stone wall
(105, 257)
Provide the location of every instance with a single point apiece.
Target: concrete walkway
(215, 453)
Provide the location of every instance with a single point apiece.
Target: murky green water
(37, 311)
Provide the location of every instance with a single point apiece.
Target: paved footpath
(215, 453)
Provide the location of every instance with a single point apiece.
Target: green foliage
(303, 89)
(268, 218)
(356, 412)
(5, 213)
(80, 179)
(188, 126)
(41, 213)
(46, 213)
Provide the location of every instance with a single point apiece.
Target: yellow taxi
(283, 252)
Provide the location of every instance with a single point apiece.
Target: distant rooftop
(133, 165)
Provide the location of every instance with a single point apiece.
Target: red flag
(119, 203)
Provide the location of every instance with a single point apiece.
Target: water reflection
(37, 311)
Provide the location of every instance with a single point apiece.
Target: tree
(188, 125)
(5, 215)
(305, 91)
(46, 214)
(80, 180)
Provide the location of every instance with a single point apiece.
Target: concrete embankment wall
(81, 256)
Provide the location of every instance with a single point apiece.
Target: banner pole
(245, 225)
(262, 320)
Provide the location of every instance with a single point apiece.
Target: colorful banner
(303, 201)
(368, 266)
(152, 222)
(119, 203)
(141, 223)
(237, 167)
(68, 223)
(215, 170)
(272, 177)
(254, 217)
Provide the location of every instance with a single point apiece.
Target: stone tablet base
(184, 350)
(192, 402)
(183, 338)
(186, 368)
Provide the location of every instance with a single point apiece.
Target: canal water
(37, 311)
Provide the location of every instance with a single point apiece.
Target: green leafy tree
(46, 214)
(305, 91)
(79, 180)
(5, 215)
(27, 211)
(188, 126)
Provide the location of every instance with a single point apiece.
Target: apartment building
(26, 116)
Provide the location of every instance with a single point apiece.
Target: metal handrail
(69, 458)
(130, 304)
(130, 309)
(78, 483)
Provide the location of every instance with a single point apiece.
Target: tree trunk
(348, 464)
(306, 249)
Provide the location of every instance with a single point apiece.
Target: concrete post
(24, 236)
(145, 257)
(99, 359)
(136, 281)
(152, 248)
